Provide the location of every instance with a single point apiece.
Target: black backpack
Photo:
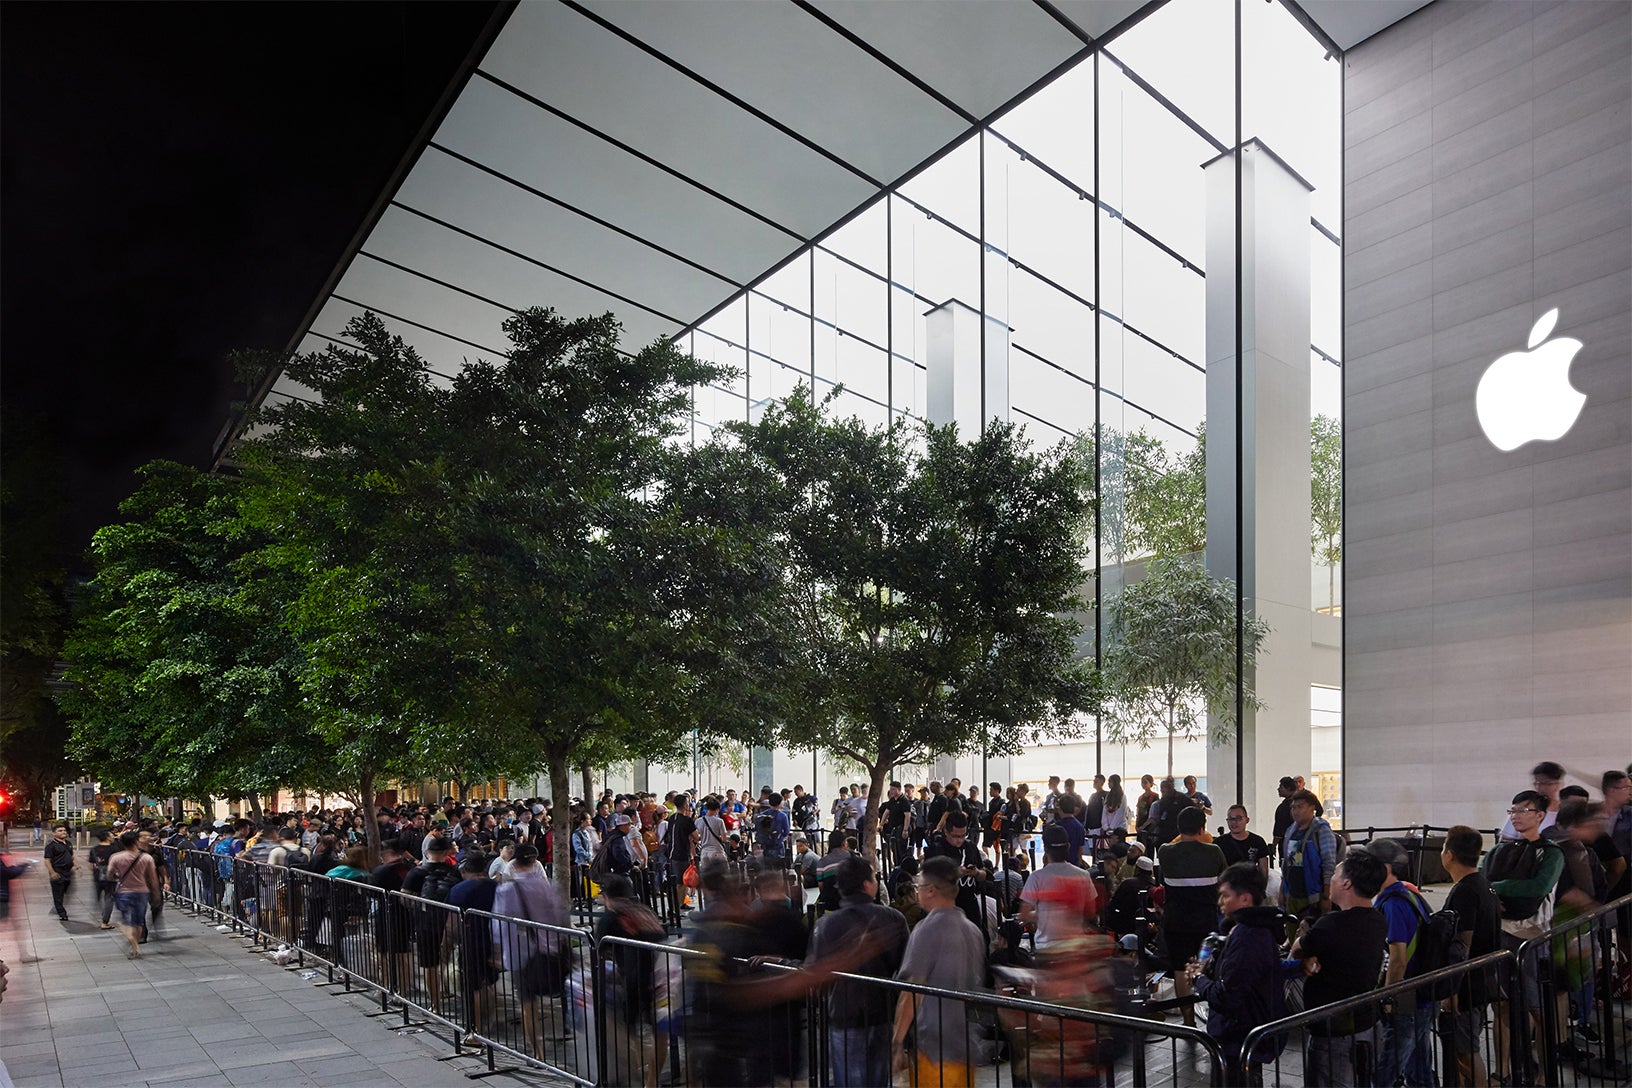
(296, 857)
(439, 881)
(1437, 947)
(1518, 860)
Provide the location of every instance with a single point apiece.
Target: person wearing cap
(620, 854)
(1059, 899)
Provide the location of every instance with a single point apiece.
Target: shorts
(1529, 979)
(132, 908)
(476, 968)
(428, 945)
(1462, 1029)
(1182, 946)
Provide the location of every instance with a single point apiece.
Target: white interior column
(1274, 443)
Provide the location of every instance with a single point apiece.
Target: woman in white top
(1115, 817)
(712, 831)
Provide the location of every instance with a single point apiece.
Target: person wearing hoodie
(1242, 984)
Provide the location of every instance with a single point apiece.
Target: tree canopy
(919, 588)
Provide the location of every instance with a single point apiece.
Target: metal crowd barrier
(1577, 1030)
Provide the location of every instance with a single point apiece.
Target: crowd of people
(1128, 890)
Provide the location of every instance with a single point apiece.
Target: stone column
(1273, 534)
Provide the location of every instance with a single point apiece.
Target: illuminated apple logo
(1526, 396)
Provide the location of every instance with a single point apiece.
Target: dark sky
(176, 181)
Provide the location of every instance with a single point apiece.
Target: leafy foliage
(1165, 496)
(1326, 498)
(915, 590)
(1171, 656)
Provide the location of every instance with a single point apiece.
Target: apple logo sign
(1526, 396)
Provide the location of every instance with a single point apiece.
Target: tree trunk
(1331, 577)
(1170, 741)
(254, 799)
(869, 820)
(371, 818)
(589, 784)
(561, 806)
(463, 789)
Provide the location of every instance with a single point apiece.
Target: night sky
(177, 181)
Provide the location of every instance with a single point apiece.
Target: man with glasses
(974, 872)
(1523, 872)
(1243, 846)
(1546, 779)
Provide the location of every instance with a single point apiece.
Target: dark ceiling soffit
(450, 94)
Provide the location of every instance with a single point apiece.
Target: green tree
(1170, 659)
(495, 555)
(1326, 498)
(918, 589)
(181, 679)
(1165, 496)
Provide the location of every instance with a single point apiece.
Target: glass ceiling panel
(793, 68)
(561, 57)
(980, 55)
(457, 193)
(498, 129)
(436, 251)
(440, 352)
(379, 286)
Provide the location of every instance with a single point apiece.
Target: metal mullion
(829, 381)
(1147, 338)
(629, 149)
(416, 324)
(1308, 23)
(439, 282)
(1144, 85)
(824, 322)
(1135, 405)
(741, 103)
(1335, 362)
(1240, 476)
(516, 253)
(1099, 444)
(597, 220)
(1318, 225)
(1044, 422)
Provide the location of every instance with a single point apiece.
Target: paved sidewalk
(195, 1010)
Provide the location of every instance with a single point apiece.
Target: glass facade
(1080, 221)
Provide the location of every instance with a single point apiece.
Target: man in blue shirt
(1408, 1020)
(1066, 815)
(477, 973)
(774, 840)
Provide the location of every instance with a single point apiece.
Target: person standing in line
(1342, 956)
(135, 879)
(1283, 816)
(944, 950)
(1244, 989)
(1113, 821)
(59, 855)
(1546, 779)
(1310, 858)
(1523, 872)
(1195, 796)
(1190, 874)
(858, 1016)
(1479, 929)
(1240, 845)
(1408, 1019)
(530, 896)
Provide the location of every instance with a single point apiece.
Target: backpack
(600, 866)
(296, 857)
(1518, 860)
(439, 881)
(1437, 947)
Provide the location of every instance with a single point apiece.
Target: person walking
(59, 855)
(535, 958)
(100, 855)
(135, 880)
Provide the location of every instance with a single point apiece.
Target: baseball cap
(1055, 837)
(526, 852)
(1146, 864)
(620, 820)
(1287, 782)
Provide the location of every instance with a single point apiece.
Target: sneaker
(104, 925)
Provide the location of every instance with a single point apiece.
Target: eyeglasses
(1234, 819)
(1521, 811)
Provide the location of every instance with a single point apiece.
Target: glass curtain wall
(1079, 218)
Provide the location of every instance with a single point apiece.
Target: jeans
(860, 1057)
(132, 908)
(1408, 1045)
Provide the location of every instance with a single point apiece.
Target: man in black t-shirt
(391, 920)
(1239, 844)
(1342, 955)
(974, 871)
(895, 812)
(433, 879)
(1479, 928)
(677, 852)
